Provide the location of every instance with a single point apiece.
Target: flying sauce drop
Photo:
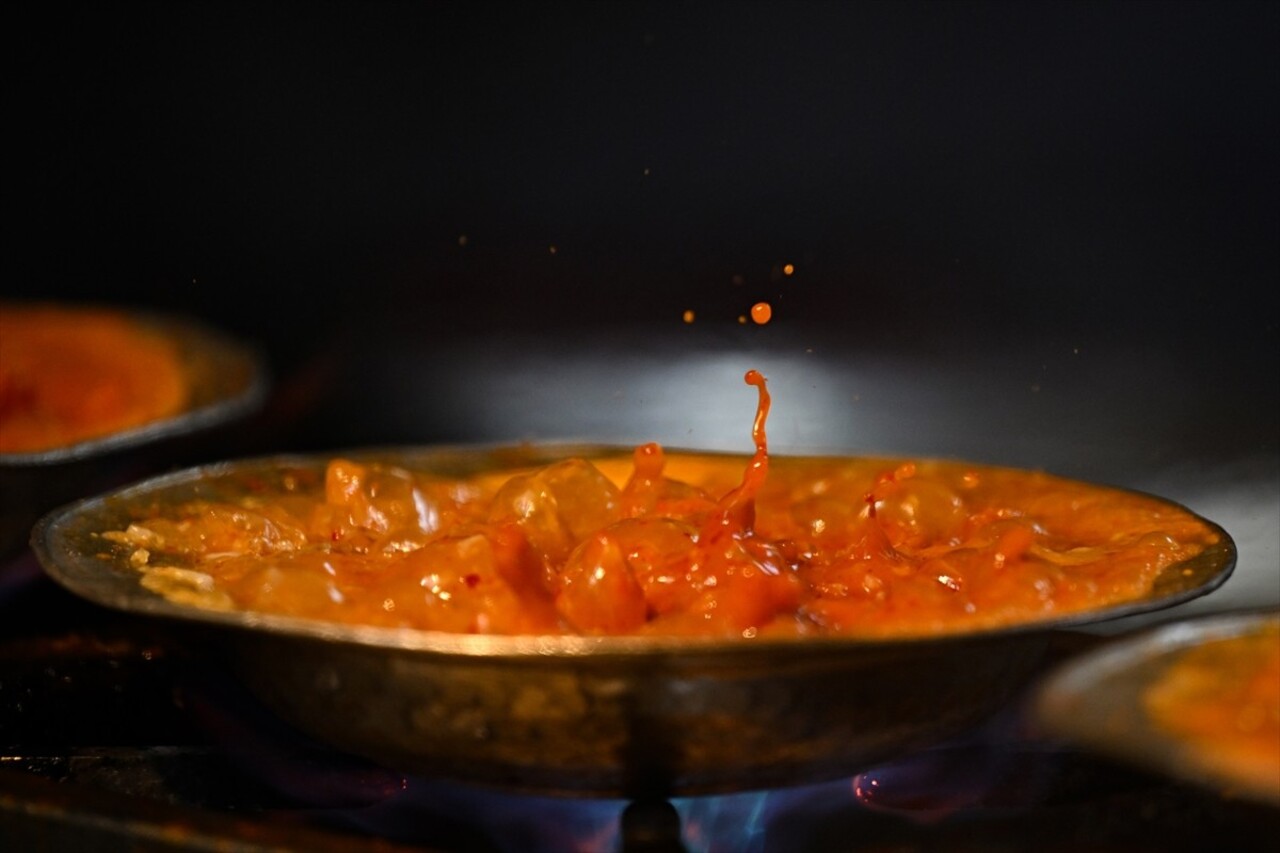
(761, 313)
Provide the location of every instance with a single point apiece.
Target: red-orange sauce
(671, 544)
(68, 376)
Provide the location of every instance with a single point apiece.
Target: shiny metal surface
(227, 380)
(1096, 702)
(607, 715)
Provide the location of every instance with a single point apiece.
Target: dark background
(1063, 196)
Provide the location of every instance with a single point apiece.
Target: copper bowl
(634, 716)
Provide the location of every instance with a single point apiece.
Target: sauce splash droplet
(761, 313)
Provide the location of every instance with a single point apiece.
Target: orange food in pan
(1221, 700)
(674, 544)
(68, 376)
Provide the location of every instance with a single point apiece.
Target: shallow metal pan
(1097, 702)
(636, 716)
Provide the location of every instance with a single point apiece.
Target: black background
(948, 179)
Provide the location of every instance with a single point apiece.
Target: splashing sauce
(668, 543)
(735, 512)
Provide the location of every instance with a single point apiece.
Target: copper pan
(634, 716)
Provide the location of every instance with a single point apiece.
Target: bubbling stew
(667, 544)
